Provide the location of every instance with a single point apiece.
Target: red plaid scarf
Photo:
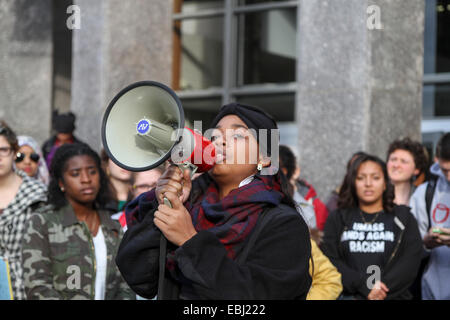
(233, 218)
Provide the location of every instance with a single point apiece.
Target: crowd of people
(75, 225)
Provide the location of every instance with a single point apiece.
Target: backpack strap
(429, 193)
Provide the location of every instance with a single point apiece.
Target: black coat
(402, 263)
(277, 265)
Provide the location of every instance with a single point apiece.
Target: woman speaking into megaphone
(233, 233)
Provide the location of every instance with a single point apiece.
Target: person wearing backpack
(430, 204)
(233, 232)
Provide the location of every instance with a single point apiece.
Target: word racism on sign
(367, 237)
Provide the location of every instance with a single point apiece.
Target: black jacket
(401, 266)
(276, 266)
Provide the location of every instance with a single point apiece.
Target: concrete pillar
(26, 66)
(119, 42)
(360, 83)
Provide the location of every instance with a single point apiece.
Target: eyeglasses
(21, 156)
(5, 151)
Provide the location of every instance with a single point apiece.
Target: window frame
(230, 91)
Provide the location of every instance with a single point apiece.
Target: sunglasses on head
(20, 156)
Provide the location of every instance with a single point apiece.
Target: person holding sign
(374, 243)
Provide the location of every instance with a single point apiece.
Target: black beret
(254, 117)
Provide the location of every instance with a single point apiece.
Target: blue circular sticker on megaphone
(143, 126)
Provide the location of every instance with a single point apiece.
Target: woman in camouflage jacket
(69, 246)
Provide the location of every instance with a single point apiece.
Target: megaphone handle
(162, 258)
(163, 242)
(162, 265)
(167, 202)
(185, 165)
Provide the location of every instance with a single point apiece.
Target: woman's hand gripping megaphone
(172, 218)
(175, 181)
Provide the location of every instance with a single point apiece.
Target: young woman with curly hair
(406, 162)
(374, 243)
(70, 245)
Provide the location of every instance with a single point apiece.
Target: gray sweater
(435, 284)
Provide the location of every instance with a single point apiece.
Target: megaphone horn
(143, 126)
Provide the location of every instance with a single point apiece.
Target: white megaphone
(143, 126)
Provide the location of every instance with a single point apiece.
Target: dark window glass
(192, 6)
(203, 110)
(280, 106)
(198, 59)
(443, 37)
(437, 36)
(62, 56)
(436, 100)
(267, 47)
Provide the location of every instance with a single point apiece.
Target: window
(436, 80)
(436, 90)
(266, 47)
(201, 54)
(235, 50)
